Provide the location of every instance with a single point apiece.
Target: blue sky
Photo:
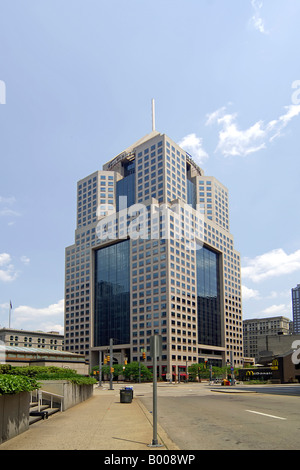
(76, 83)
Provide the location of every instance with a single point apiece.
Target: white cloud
(212, 117)
(193, 145)
(7, 270)
(272, 264)
(5, 207)
(7, 200)
(5, 258)
(275, 127)
(256, 20)
(277, 294)
(45, 318)
(275, 310)
(27, 312)
(248, 293)
(236, 142)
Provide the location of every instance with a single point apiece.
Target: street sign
(155, 345)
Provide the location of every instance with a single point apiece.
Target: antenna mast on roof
(153, 115)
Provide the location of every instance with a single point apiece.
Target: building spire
(153, 114)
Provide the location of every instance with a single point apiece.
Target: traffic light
(105, 360)
(108, 358)
(144, 355)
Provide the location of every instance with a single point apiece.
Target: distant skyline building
(257, 328)
(153, 254)
(296, 308)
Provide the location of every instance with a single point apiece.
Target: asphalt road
(198, 418)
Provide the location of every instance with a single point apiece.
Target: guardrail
(39, 395)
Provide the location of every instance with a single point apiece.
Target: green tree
(199, 371)
(131, 372)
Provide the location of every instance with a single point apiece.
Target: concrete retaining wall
(14, 415)
(73, 394)
(14, 408)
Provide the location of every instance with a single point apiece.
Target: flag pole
(10, 307)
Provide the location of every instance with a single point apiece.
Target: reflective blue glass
(126, 187)
(191, 193)
(208, 297)
(112, 294)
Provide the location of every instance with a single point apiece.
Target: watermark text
(296, 94)
(2, 92)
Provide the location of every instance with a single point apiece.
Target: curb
(232, 391)
(161, 433)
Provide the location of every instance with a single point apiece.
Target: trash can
(126, 395)
(130, 389)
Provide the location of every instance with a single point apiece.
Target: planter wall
(14, 408)
(14, 415)
(72, 393)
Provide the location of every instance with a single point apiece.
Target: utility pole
(100, 368)
(111, 363)
(155, 350)
(231, 367)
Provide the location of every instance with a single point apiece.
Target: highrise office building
(153, 254)
(296, 308)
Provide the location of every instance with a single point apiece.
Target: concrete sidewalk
(99, 423)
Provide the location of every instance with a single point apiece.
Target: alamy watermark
(151, 222)
(2, 92)
(296, 94)
(2, 352)
(296, 353)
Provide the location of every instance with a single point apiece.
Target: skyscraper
(296, 308)
(153, 254)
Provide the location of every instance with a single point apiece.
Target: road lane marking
(264, 414)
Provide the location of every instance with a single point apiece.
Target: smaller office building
(257, 330)
(23, 356)
(36, 339)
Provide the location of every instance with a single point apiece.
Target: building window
(112, 294)
(208, 297)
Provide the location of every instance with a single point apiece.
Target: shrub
(10, 384)
(5, 368)
(48, 373)
(81, 380)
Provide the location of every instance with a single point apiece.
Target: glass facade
(112, 294)
(191, 193)
(208, 297)
(126, 187)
